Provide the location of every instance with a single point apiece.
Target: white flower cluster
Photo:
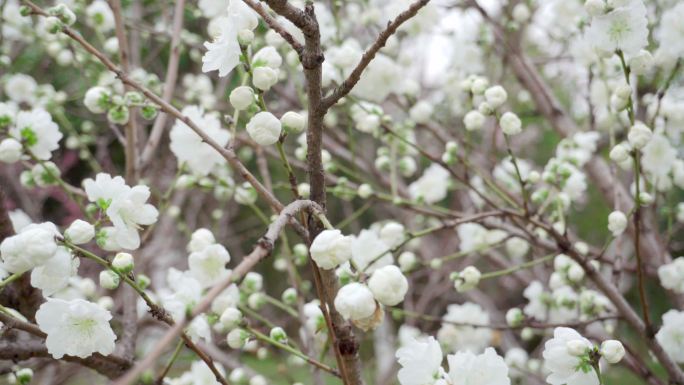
(126, 208)
(421, 364)
(369, 252)
(32, 130)
(572, 359)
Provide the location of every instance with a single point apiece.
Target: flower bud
(479, 85)
(514, 317)
(237, 338)
(474, 120)
(617, 223)
(264, 77)
(639, 135)
(278, 334)
(53, 25)
(97, 99)
(330, 249)
(80, 232)
(123, 262)
(149, 112)
(289, 296)
(256, 301)
(109, 279)
(245, 194)
(624, 91)
(645, 199)
(264, 128)
(612, 351)
(64, 14)
(300, 251)
(230, 318)
(10, 151)
(619, 153)
(496, 96)
(364, 191)
(510, 124)
(24, 376)
(241, 97)
(355, 301)
(118, 115)
(143, 281)
(293, 122)
(388, 285)
(577, 347)
(467, 279)
(245, 36)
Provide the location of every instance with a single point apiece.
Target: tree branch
(368, 56)
(263, 249)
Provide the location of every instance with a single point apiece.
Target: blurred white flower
(189, 147)
(564, 358)
(37, 132)
(488, 368)
(671, 335)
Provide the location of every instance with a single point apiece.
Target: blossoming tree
(466, 192)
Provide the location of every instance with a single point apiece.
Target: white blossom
(38, 132)
(79, 232)
(208, 266)
(264, 128)
(76, 328)
(671, 275)
(32, 247)
(97, 99)
(488, 368)
(639, 135)
(624, 28)
(510, 124)
(355, 301)
(267, 56)
(100, 16)
(264, 78)
(561, 358)
(617, 223)
(241, 97)
(421, 361)
(10, 150)
(330, 249)
(389, 285)
(496, 96)
(474, 120)
(431, 186)
(466, 338)
(189, 147)
(612, 351)
(293, 122)
(54, 274)
(671, 335)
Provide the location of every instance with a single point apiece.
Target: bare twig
(368, 56)
(262, 250)
(169, 86)
(131, 148)
(273, 23)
